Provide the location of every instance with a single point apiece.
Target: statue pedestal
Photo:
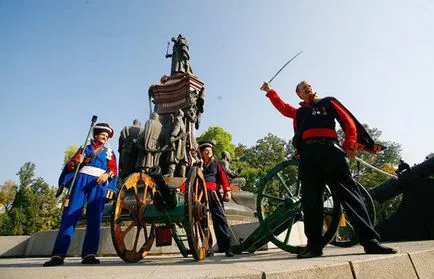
(174, 93)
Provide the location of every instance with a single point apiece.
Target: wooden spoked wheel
(132, 236)
(279, 209)
(197, 222)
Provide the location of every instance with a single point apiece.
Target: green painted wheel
(279, 196)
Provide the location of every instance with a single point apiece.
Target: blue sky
(63, 61)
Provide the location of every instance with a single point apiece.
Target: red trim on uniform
(211, 186)
(95, 144)
(182, 186)
(112, 166)
(319, 132)
(222, 179)
(74, 161)
(349, 127)
(111, 163)
(284, 108)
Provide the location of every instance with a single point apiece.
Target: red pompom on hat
(103, 127)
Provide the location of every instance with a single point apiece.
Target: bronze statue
(232, 174)
(177, 139)
(149, 144)
(179, 101)
(180, 56)
(127, 148)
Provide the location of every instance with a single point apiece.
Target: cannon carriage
(149, 208)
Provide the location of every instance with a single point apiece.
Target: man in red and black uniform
(215, 177)
(322, 163)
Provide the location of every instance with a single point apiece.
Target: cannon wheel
(346, 235)
(280, 184)
(136, 192)
(197, 221)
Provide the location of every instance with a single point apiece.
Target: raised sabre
(289, 61)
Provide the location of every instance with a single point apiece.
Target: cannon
(149, 207)
(414, 218)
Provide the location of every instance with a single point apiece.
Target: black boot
(89, 259)
(55, 260)
(209, 253)
(374, 247)
(309, 252)
(229, 253)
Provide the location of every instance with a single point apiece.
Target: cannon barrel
(165, 196)
(386, 190)
(393, 187)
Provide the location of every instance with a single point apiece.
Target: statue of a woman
(180, 56)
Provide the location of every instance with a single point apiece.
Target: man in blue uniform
(95, 181)
(322, 163)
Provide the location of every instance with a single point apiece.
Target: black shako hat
(103, 127)
(204, 144)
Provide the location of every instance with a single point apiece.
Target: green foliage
(267, 152)
(6, 224)
(34, 207)
(8, 191)
(259, 159)
(69, 152)
(222, 139)
(26, 174)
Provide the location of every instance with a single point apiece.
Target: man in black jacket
(322, 163)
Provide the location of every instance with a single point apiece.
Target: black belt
(329, 141)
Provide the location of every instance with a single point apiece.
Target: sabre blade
(289, 61)
(367, 164)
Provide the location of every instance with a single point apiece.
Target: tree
(69, 152)
(6, 224)
(268, 152)
(8, 191)
(223, 140)
(259, 159)
(34, 207)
